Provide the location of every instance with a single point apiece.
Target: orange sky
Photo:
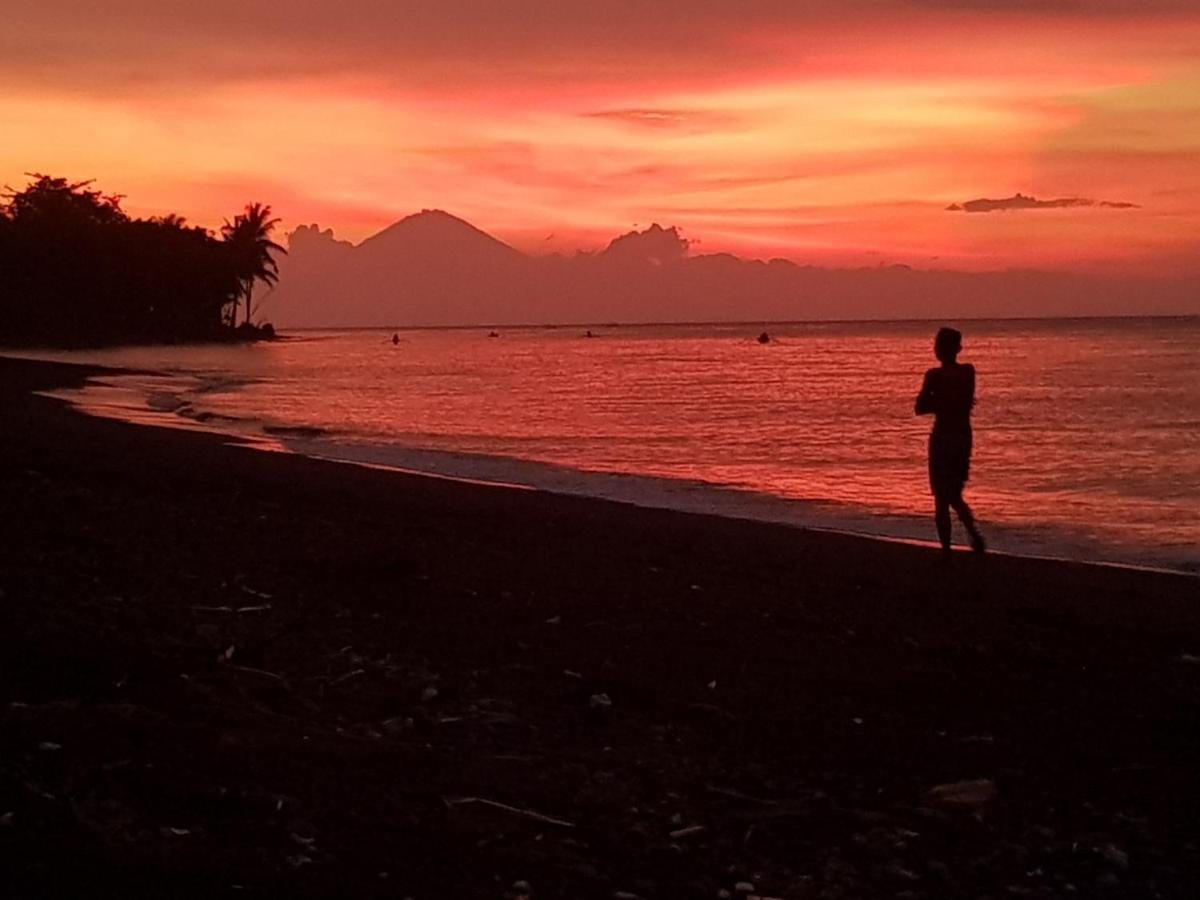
(765, 127)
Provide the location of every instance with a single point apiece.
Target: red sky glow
(763, 128)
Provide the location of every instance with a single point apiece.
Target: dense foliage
(76, 270)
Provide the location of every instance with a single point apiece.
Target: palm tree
(248, 236)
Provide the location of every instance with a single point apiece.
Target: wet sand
(227, 672)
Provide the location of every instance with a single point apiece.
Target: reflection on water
(1087, 431)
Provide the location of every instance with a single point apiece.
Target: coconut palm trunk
(249, 295)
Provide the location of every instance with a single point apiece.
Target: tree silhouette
(58, 203)
(249, 239)
(76, 270)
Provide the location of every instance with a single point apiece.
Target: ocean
(1087, 431)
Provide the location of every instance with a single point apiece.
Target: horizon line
(554, 326)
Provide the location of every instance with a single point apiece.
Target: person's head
(947, 344)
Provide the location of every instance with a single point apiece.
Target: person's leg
(942, 490)
(941, 517)
(968, 519)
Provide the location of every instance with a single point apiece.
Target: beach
(232, 672)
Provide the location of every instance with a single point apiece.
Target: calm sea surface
(1087, 432)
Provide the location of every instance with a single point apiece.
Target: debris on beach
(738, 795)
(710, 709)
(397, 724)
(599, 701)
(353, 673)
(505, 807)
(255, 671)
(977, 739)
(973, 792)
(1115, 856)
(261, 607)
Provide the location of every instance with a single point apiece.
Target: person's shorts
(949, 461)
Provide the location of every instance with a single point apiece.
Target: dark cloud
(140, 44)
(1021, 202)
(1075, 8)
(446, 43)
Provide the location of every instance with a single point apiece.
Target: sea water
(1087, 432)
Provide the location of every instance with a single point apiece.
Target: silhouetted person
(395, 339)
(764, 338)
(949, 394)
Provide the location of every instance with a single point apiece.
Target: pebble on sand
(973, 792)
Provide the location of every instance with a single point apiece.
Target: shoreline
(223, 667)
(658, 492)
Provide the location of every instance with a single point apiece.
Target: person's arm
(925, 400)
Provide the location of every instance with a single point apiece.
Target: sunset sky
(831, 133)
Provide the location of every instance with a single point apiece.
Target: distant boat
(764, 338)
(588, 333)
(493, 334)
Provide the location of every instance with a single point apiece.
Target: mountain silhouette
(432, 234)
(433, 268)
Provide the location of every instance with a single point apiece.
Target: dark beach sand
(216, 663)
